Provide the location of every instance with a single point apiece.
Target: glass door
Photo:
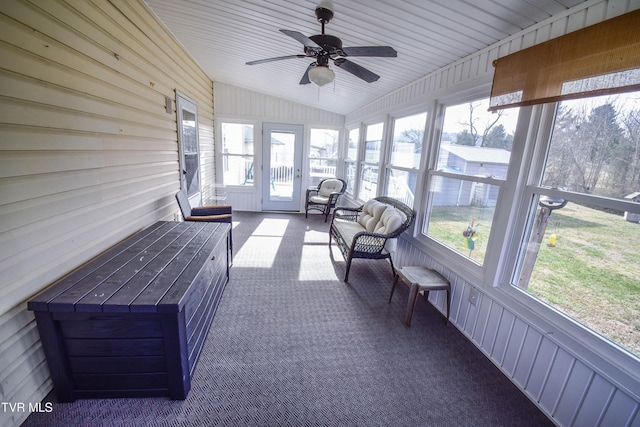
(187, 112)
(281, 167)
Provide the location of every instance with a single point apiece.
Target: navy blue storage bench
(132, 322)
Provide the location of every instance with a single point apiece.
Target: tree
(465, 138)
(496, 137)
(477, 132)
(560, 162)
(627, 156)
(586, 150)
(599, 135)
(414, 136)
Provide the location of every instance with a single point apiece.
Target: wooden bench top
(150, 271)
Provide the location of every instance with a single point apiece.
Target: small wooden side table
(421, 279)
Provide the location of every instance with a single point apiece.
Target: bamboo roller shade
(600, 59)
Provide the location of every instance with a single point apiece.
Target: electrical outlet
(473, 296)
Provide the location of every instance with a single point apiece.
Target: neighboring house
(477, 161)
(630, 216)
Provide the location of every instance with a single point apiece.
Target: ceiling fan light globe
(321, 75)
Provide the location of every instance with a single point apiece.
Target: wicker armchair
(370, 231)
(218, 213)
(324, 197)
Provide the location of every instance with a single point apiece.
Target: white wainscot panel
(470, 310)
(243, 200)
(457, 297)
(619, 410)
(541, 366)
(502, 337)
(480, 329)
(598, 394)
(495, 313)
(556, 380)
(573, 393)
(530, 348)
(514, 346)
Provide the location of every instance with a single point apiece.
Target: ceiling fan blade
(305, 77)
(356, 70)
(381, 51)
(278, 58)
(301, 38)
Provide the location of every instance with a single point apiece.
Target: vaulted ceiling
(222, 35)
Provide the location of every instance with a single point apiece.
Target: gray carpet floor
(293, 345)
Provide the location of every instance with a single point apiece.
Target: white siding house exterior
(88, 152)
(89, 155)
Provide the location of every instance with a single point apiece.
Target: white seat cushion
(319, 200)
(348, 230)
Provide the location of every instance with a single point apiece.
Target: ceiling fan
(325, 47)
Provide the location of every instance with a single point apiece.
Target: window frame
(572, 335)
(389, 166)
(223, 156)
(194, 191)
(362, 162)
(337, 159)
(346, 160)
(486, 272)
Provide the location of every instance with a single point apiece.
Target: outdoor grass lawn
(592, 274)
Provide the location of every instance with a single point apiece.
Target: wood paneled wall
(88, 154)
(234, 103)
(569, 382)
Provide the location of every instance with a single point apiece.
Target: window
(465, 180)
(406, 149)
(323, 154)
(237, 154)
(581, 254)
(187, 111)
(350, 159)
(370, 166)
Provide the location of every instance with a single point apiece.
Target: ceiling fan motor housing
(327, 42)
(323, 14)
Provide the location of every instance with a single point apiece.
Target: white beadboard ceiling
(222, 35)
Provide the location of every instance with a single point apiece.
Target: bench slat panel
(174, 280)
(117, 364)
(41, 301)
(122, 299)
(114, 347)
(110, 327)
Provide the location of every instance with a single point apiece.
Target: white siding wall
(234, 103)
(564, 382)
(88, 154)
